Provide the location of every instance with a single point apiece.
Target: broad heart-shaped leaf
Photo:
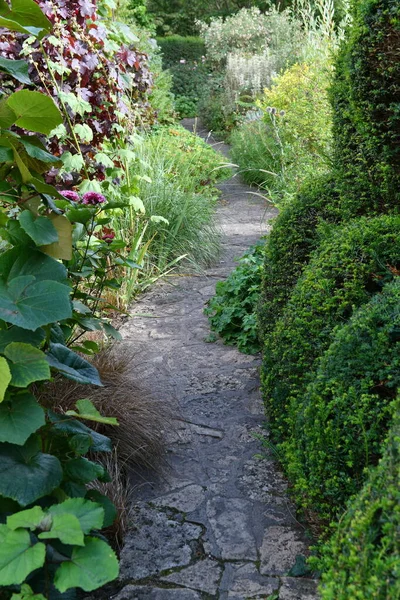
(26, 593)
(68, 426)
(19, 418)
(27, 364)
(18, 557)
(16, 334)
(5, 378)
(35, 149)
(82, 470)
(27, 474)
(89, 514)
(31, 304)
(35, 111)
(66, 528)
(28, 519)
(63, 247)
(16, 68)
(90, 567)
(29, 261)
(71, 365)
(88, 411)
(40, 229)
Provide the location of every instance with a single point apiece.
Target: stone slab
(297, 588)
(279, 549)
(204, 576)
(157, 544)
(133, 592)
(230, 521)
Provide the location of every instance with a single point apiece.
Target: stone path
(219, 525)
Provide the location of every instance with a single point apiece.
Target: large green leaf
(72, 365)
(27, 364)
(28, 519)
(18, 557)
(5, 378)
(30, 304)
(19, 418)
(82, 470)
(34, 111)
(66, 528)
(35, 149)
(88, 411)
(89, 514)
(28, 261)
(90, 567)
(17, 68)
(27, 474)
(24, 14)
(40, 229)
(16, 334)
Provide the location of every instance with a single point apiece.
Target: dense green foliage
(365, 98)
(290, 244)
(231, 311)
(361, 561)
(350, 265)
(343, 415)
(184, 58)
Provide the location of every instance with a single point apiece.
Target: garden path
(220, 524)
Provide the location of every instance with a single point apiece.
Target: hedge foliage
(345, 412)
(351, 264)
(361, 561)
(176, 47)
(365, 98)
(290, 244)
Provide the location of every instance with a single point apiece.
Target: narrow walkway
(220, 525)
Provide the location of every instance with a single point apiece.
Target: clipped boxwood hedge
(289, 245)
(176, 48)
(365, 98)
(350, 265)
(343, 417)
(362, 560)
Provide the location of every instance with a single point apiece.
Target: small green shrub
(344, 414)
(362, 560)
(349, 266)
(231, 312)
(293, 238)
(365, 97)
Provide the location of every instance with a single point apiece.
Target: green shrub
(293, 140)
(290, 243)
(365, 98)
(231, 312)
(343, 416)
(349, 266)
(175, 48)
(362, 560)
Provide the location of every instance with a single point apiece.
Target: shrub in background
(362, 558)
(184, 57)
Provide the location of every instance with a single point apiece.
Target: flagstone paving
(220, 524)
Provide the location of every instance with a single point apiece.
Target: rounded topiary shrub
(366, 102)
(290, 243)
(343, 416)
(362, 560)
(350, 266)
